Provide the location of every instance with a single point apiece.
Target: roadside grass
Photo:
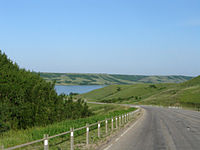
(12, 137)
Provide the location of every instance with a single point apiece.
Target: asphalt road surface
(161, 129)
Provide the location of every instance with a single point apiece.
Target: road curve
(162, 129)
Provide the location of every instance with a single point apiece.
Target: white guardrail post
(116, 122)
(112, 123)
(99, 129)
(46, 143)
(87, 134)
(72, 138)
(119, 121)
(106, 126)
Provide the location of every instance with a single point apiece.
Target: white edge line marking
(116, 139)
(108, 147)
(123, 134)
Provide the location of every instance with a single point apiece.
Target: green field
(108, 79)
(168, 94)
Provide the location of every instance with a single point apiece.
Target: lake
(66, 89)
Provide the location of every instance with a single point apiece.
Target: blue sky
(146, 37)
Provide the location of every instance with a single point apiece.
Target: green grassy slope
(102, 93)
(192, 82)
(131, 93)
(109, 79)
(185, 94)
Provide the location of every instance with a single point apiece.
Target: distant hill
(108, 79)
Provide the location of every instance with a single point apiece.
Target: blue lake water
(66, 89)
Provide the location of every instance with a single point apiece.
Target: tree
(118, 89)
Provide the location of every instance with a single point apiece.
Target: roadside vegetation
(100, 112)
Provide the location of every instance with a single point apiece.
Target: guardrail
(120, 121)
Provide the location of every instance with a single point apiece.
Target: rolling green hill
(108, 79)
(192, 82)
(168, 94)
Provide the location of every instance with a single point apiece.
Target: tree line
(27, 100)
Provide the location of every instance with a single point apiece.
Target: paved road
(162, 129)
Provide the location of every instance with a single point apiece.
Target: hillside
(126, 93)
(108, 79)
(192, 82)
(184, 94)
